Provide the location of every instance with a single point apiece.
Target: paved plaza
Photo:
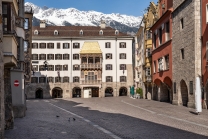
(106, 118)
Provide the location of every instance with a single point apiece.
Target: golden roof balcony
(90, 82)
(91, 66)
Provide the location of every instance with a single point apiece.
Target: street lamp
(46, 65)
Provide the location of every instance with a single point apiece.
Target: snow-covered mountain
(72, 16)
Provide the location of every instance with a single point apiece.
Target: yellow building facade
(149, 18)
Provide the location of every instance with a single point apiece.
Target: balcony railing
(92, 82)
(91, 66)
(148, 78)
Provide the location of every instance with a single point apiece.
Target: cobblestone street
(105, 118)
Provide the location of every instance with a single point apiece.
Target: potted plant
(139, 93)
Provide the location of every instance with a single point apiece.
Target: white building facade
(80, 61)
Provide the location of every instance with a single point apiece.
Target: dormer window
(81, 32)
(36, 32)
(116, 32)
(100, 32)
(55, 32)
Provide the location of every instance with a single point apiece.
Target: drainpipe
(71, 64)
(116, 65)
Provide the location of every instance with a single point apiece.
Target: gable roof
(74, 31)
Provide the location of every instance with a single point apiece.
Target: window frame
(75, 56)
(122, 57)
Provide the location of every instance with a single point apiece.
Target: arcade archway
(123, 91)
(184, 93)
(109, 92)
(39, 93)
(76, 92)
(57, 93)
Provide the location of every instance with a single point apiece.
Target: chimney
(42, 24)
(102, 25)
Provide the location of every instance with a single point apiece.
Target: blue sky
(128, 7)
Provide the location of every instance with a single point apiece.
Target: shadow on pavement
(121, 125)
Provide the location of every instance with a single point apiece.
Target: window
(34, 56)
(42, 79)
(34, 79)
(191, 87)
(160, 64)
(108, 67)
(26, 24)
(167, 62)
(7, 12)
(155, 40)
(148, 34)
(108, 56)
(148, 52)
(65, 79)
(75, 79)
(160, 36)
(100, 32)
(42, 45)
(65, 67)
(58, 68)
(50, 79)
(56, 32)
(76, 56)
(42, 56)
(122, 78)
(122, 56)
(35, 45)
(109, 79)
(174, 86)
(116, 32)
(50, 56)
(36, 32)
(35, 67)
(58, 45)
(182, 54)
(50, 67)
(81, 32)
(154, 67)
(50, 46)
(76, 45)
(122, 66)
(207, 51)
(91, 76)
(122, 45)
(41, 68)
(58, 56)
(107, 45)
(66, 56)
(182, 23)
(26, 45)
(65, 45)
(76, 67)
(148, 72)
(207, 13)
(167, 31)
(57, 79)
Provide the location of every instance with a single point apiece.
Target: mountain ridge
(73, 16)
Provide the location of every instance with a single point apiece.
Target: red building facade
(162, 53)
(205, 49)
